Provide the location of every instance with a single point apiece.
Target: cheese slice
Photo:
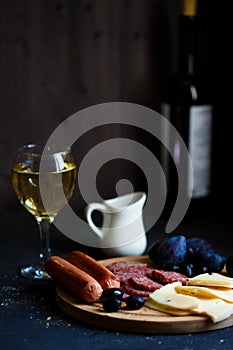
(167, 299)
(216, 309)
(212, 292)
(171, 311)
(214, 279)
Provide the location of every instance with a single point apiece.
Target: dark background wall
(60, 56)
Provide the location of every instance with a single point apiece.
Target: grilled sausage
(73, 279)
(86, 263)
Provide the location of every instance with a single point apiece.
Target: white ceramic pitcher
(122, 232)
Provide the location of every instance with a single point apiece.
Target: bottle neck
(187, 45)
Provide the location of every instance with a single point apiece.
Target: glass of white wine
(44, 181)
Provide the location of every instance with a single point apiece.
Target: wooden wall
(60, 56)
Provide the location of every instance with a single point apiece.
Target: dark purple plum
(196, 245)
(168, 251)
(203, 256)
(154, 249)
(215, 262)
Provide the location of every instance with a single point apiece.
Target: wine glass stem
(45, 250)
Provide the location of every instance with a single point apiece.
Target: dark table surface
(31, 319)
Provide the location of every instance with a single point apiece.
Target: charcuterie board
(144, 320)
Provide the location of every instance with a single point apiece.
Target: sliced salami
(128, 289)
(141, 279)
(168, 276)
(144, 283)
(125, 276)
(122, 266)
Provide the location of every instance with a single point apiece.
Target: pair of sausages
(82, 275)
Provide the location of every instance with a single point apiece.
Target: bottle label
(199, 147)
(200, 125)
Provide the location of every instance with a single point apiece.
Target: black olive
(111, 304)
(112, 293)
(187, 270)
(229, 266)
(134, 302)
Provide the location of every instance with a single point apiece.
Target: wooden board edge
(109, 321)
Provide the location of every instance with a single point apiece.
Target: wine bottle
(188, 107)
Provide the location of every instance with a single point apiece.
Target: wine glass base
(35, 272)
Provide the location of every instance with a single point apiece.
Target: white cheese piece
(216, 309)
(167, 298)
(214, 279)
(171, 311)
(212, 292)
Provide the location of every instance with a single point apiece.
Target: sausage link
(94, 268)
(73, 279)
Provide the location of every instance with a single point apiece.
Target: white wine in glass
(44, 181)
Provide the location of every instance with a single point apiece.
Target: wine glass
(44, 180)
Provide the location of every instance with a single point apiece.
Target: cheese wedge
(214, 280)
(211, 292)
(216, 309)
(168, 300)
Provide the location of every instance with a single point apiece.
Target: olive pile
(111, 300)
(190, 257)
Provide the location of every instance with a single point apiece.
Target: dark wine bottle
(188, 107)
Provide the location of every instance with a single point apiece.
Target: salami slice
(144, 283)
(125, 276)
(128, 289)
(168, 276)
(124, 266)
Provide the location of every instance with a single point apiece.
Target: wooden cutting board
(144, 321)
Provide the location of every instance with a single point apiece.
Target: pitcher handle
(89, 210)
